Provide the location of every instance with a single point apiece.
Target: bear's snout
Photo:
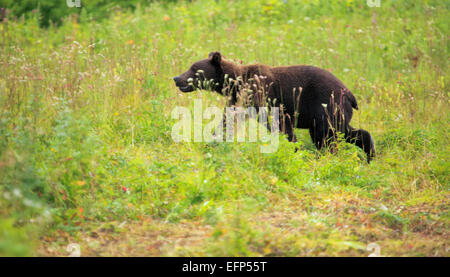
(182, 85)
(177, 80)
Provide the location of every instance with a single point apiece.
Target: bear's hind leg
(362, 139)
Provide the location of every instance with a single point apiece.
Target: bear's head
(204, 74)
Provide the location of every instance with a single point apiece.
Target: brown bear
(308, 97)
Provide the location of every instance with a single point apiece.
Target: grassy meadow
(87, 157)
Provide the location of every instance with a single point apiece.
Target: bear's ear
(215, 58)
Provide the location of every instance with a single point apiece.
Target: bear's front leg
(231, 101)
(224, 122)
(287, 127)
(319, 132)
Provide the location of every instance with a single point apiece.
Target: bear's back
(316, 83)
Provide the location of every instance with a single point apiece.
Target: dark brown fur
(309, 97)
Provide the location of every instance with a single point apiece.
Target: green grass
(86, 153)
